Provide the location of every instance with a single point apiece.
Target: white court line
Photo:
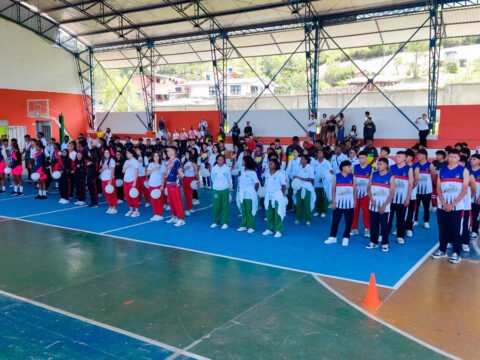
(104, 326)
(56, 211)
(147, 222)
(414, 268)
(18, 197)
(200, 252)
(384, 323)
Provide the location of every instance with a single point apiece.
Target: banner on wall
(3, 129)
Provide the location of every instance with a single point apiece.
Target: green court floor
(214, 307)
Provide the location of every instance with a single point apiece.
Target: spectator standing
(312, 127)
(248, 131)
(423, 125)
(235, 133)
(341, 127)
(331, 128)
(369, 128)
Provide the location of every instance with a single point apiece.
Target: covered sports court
(75, 284)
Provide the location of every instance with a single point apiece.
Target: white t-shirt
(212, 159)
(321, 169)
(156, 177)
(221, 177)
(106, 171)
(312, 125)
(130, 166)
(72, 155)
(274, 183)
(247, 179)
(336, 160)
(188, 169)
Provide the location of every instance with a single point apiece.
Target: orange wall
(13, 107)
(460, 123)
(186, 119)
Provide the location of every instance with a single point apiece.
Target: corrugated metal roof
(255, 27)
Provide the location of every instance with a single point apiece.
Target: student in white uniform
(305, 196)
(275, 202)
(247, 199)
(221, 182)
(291, 172)
(322, 168)
(190, 170)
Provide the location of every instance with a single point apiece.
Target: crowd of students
(356, 182)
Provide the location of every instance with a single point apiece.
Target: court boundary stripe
(414, 268)
(177, 351)
(202, 252)
(18, 197)
(384, 323)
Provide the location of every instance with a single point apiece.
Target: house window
(253, 89)
(211, 91)
(235, 89)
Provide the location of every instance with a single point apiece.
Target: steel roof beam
(69, 6)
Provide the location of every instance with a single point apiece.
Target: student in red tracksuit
(171, 181)
(155, 171)
(107, 176)
(130, 178)
(190, 170)
(142, 178)
(362, 173)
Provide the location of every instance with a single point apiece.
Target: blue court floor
(301, 248)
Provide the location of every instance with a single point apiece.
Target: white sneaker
(129, 213)
(465, 247)
(316, 214)
(213, 226)
(81, 203)
(195, 202)
(242, 228)
(394, 233)
(330, 240)
(473, 236)
(167, 207)
(113, 211)
(409, 233)
(180, 223)
(120, 201)
(267, 232)
(277, 234)
(77, 203)
(109, 210)
(224, 227)
(60, 201)
(415, 223)
(449, 245)
(297, 222)
(434, 209)
(249, 231)
(172, 220)
(354, 232)
(156, 218)
(187, 213)
(385, 248)
(426, 225)
(400, 241)
(367, 233)
(323, 215)
(147, 205)
(345, 242)
(135, 214)
(308, 223)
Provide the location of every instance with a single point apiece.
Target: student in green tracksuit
(247, 199)
(275, 202)
(221, 182)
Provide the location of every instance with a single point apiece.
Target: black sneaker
(439, 255)
(93, 205)
(2, 191)
(14, 193)
(43, 197)
(38, 197)
(20, 194)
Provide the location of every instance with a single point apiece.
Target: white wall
(122, 122)
(390, 123)
(28, 62)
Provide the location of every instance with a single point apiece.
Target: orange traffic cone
(372, 300)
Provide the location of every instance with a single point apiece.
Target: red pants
(157, 204)
(142, 189)
(135, 203)
(175, 201)
(110, 198)
(188, 191)
(363, 204)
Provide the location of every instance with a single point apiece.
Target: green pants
(220, 206)
(321, 203)
(248, 220)
(303, 210)
(274, 221)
